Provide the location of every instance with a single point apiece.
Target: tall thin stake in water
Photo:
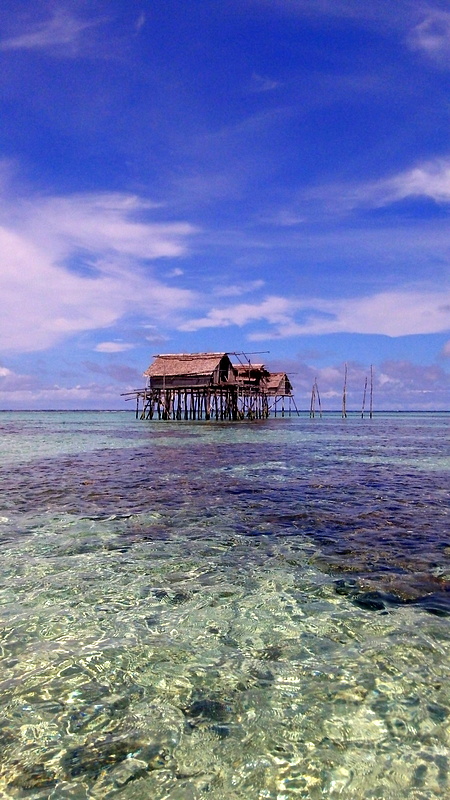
(364, 399)
(315, 395)
(344, 395)
(371, 392)
(318, 398)
(312, 407)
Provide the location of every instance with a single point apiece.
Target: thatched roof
(243, 369)
(172, 364)
(278, 383)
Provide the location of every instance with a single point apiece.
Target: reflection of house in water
(209, 386)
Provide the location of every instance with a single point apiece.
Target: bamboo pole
(364, 398)
(344, 395)
(312, 405)
(318, 399)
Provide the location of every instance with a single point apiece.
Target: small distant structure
(209, 386)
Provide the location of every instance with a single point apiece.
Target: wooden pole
(371, 392)
(312, 406)
(364, 398)
(318, 399)
(344, 395)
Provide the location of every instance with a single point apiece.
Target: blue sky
(270, 176)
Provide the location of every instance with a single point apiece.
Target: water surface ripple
(231, 611)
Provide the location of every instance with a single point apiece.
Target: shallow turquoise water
(227, 611)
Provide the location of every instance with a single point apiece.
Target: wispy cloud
(89, 395)
(261, 83)
(113, 347)
(11, 381)
(380, 13)
(432, 36)
(429, 179)
(238, 289)
(275, 310)
(106, 223)
(425, 179)
(140, 22)
(399, 313)
(47, 297)
(62, 30)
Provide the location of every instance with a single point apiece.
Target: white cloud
(113, 347)
(4, 372)
(430, 179)
(62, 397)
(44, 300)
(287, 219)
(62, 29)
(396, 313)
(276, 310)
(140, 22)
(432, 36)
(238, 289)
(261, 83)
(103, 223)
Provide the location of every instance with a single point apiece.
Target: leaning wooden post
(312, 405)
(371, 392)
(364, 398)
(344, 395)
(318, 400)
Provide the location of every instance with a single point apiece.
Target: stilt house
(195, 386)
(190, 371)
(251, 376)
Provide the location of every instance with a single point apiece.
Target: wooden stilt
(344, 395)
(364, 399)
(312, 405)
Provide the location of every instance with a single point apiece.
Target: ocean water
(230, 611)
